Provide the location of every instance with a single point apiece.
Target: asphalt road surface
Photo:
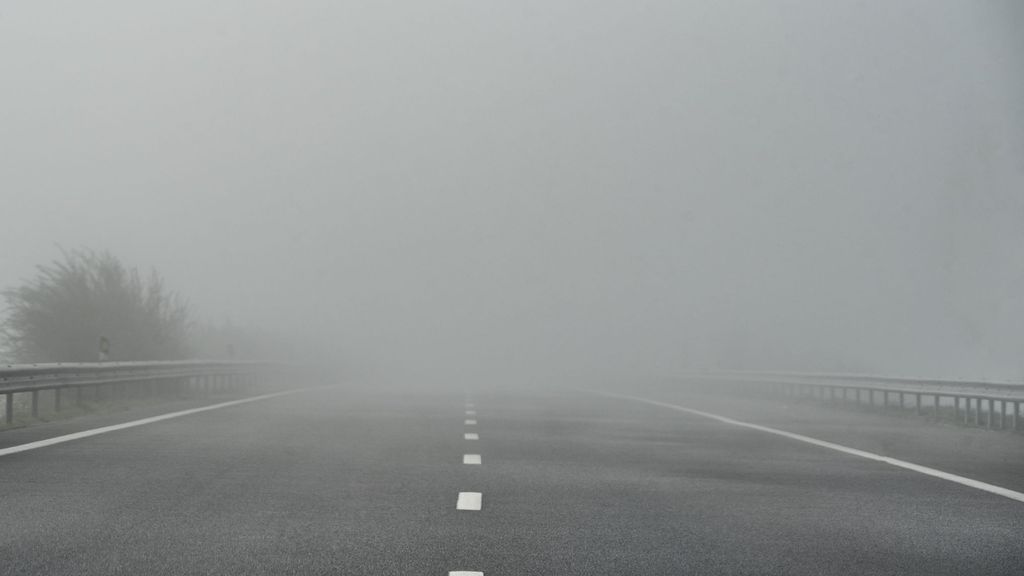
(338, 481)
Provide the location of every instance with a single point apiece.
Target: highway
(553, 482)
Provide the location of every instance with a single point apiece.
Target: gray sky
(538, 189)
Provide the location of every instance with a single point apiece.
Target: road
(342, 481)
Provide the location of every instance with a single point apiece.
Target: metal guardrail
(973, 403)
(119, 377)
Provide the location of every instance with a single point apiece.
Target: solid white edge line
(465, 573)
(977, 484)
(469, 501)
(103, 430)
(471, 459)
(470, 412)
(471, 436)
(470, 422)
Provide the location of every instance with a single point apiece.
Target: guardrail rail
(993, 405)
(107, 379)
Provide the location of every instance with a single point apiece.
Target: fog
(540, 191)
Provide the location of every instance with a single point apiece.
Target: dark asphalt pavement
(338, 481)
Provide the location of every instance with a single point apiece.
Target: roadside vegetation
(88, 306)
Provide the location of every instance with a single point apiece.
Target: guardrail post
(917, 402)
(988, 419)
(1016, 416)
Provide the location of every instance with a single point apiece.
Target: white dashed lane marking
(469, 501)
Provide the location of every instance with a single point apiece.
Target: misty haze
(653, 287)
